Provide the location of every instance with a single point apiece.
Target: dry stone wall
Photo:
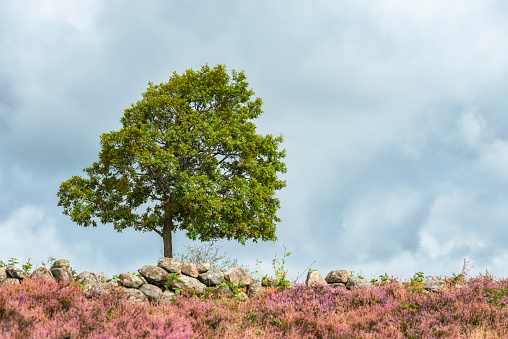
(158, 283)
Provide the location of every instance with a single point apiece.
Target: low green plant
(417, 279)
(117, 276)
(456, 279)
(27, 267)
(11, 261)
(383, 278)
(81, 286)
(498, 294)
(49, 261)
(352, 274)
(173, 277)
(235, 288)
(280, 272)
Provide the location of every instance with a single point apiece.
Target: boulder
(105, 287)
(62, 274)
(130, 280)
(336, 276)
(314, 278)
(237, 275)
(434, 286)
(221, 290)
(3, 274)
(61, 263)
(167, 296)
(152, 292)
(133, 294)
(211, 278)
(268, 282)
(10, 281)
(254, 289)
(190, 270)
(188, 284)
(241, 296)
(14, 272)
(42, 272)
(353, 282)
(154, 275)
(170, 265)
(88, 280)
(204, 267)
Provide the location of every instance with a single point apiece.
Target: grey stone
(14, 272)
(222, 290)
(152, 292)
(61, 263)
(237, 275)
(62, 274)
(167, 296)
(434, 286)
(105, 287)
(354, 282)
(337, 276)
(204, 267)
(171, 265)
(130, 280)
(268, 282)
(241, 296)
(314, 278)
(42, 272)
(10, 281)
(189, 284)
(133, 294)
(88, 280)
(190, 270)
(154, 275)
(211, 278)
(255, 289)
(3, 274)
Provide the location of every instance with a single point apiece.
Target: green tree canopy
(187, 157)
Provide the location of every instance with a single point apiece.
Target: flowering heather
(39, 308)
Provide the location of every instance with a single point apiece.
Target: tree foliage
(187, 157)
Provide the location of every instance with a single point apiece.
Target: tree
(187, 157)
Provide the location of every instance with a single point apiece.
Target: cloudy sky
(394, 114)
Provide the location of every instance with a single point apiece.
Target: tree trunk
(167, 237)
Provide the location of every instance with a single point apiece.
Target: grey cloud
(7, 106)
(394, 121)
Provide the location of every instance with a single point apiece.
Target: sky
(394, 115)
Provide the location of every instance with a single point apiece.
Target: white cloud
(28, 233)
(387, 214)
(472, 128)
(79, 15)
(494, 160)
(449, 227)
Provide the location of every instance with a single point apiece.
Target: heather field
(37, 308)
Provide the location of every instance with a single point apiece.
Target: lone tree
(187, 157)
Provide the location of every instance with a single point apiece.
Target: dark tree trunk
(167, 237)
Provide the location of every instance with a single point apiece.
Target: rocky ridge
(162, 282)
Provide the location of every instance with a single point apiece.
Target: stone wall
(161, 283)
